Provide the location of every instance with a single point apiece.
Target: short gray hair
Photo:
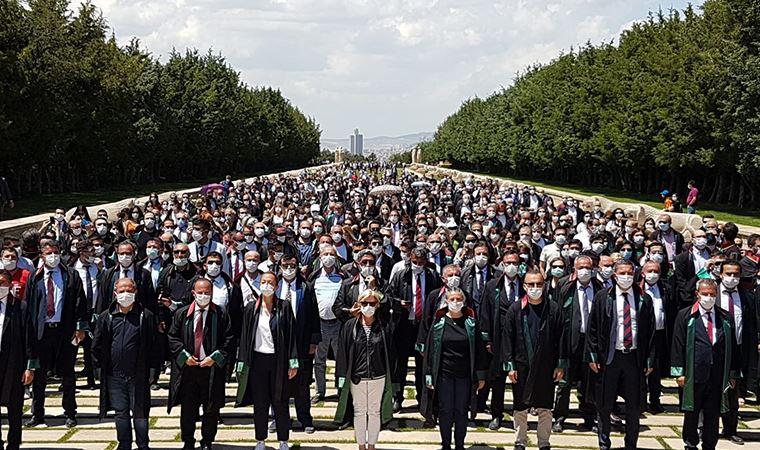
(706, 282)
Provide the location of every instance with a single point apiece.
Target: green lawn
(29, 206)
(721, 212)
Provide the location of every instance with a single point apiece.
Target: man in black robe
(619, 346)
(534, 357)
(18, 357)
(200, 342)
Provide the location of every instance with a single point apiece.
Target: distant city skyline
(394, 67)
(356, 145)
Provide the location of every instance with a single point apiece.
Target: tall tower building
(357, 143)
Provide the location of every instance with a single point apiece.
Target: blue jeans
(691, 209)
(121, 394)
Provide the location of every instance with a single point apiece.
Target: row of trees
(677, 99)
(79, 112)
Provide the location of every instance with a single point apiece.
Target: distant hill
(381, 144)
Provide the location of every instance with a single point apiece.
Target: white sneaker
(284, 445)
(261, 445)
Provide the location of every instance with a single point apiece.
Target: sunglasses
(368, 303)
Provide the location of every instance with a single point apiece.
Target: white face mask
(125, 260)
(327, 260)
(99, 249)
(510, 270)
(707, 303)
(700, 242)
(558, 272)
(584, 275)
(453, 282)
(657, 257)
(251, 266)
(367, 271)
(76, 231)
(289, 273)
(305, 232)
(368, 310)
(560, 239)
(197, 235)
(240, 245)
(259, 232)
(4, 290)
(125, 299)
(317, 229)
(277, 256)
(534, 293)
(416, 269)
(52, 260)
(481, 260)
(455, 307)
(150, 223)
(267, 290)
(202, 300)
(337, 237)
(213, 269)
(730, 282)
(638, 239)
(606, 272)
(652, 277)
(625, 281)
(597, 247)
(180, 262)
(435, 247)
(9, 264)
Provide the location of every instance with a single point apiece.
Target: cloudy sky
(389, 67)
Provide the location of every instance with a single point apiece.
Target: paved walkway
(658, 431)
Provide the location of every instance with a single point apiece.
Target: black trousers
(621, 375)
(302, 397)
(55, 350)
(14, 411)
(405, 338)
(662, 349)
(453, 404)
(88, 372)
(262, 382)
(707, 398)
(497, 387)
(579, 376)
(194, 394)
(731, 418)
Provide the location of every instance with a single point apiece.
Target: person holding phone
(200, 342)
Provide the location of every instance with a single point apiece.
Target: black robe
(146, 295)
(17, 352)
(568, 300)
(493, 313)
(603, 322)
(534, 363)
(148, 363)
(283, 326)
(218, 342)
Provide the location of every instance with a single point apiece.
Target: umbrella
(211, 187)
(421, 184)
(386, 189)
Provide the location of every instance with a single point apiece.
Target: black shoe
(34, 421)
(396, 405)
(656, 408)
(495, 424)
(589, 425)
(155, 387)
(735, 439)
(558, 427)
(615, 419)
(317, 399)
(428, 423)
(71, 422)
(220, 421)
(547, 447)
(206, 447)
(519, 447)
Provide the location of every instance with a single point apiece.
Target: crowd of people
(488, 287)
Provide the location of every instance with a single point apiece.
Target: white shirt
(704, 313)
(549, 251)
(414, 293)
(700, 258)
(398, 267)
(200, 314)
(726, 306)
(264, 343)
(326, 289)
(659, 306)
(3, 308)
(250, 287)
(508, 287)
(82, 270)
(585, 294)
(289, 293)
(237, 263)
(619, 345)
(154, 267)
(130, 271)
(57, 293)
(219, 293)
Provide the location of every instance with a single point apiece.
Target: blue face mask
(627, 254)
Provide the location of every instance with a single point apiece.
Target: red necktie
(710, 328)
(627, 326)
(199, 336)
(50, 296)
(418, 300)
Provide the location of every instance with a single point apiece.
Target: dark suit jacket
(146, 295)
(686, 279)
(74, 311)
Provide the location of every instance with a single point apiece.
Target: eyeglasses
(181, 252)
(368, 303)
(288, 266)
(534, 284)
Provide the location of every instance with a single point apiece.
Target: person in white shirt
(665, 310)
(250, 282)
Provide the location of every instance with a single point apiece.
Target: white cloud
(387, 66)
